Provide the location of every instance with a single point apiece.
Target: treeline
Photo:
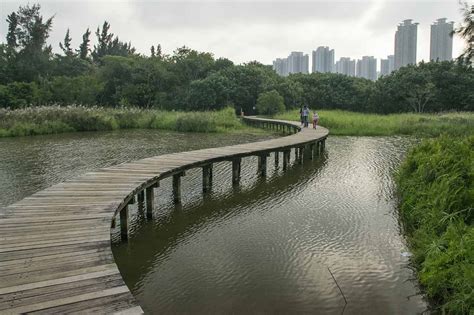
(111, 73)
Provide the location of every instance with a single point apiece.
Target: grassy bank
(359, 124)
(436, 184)
(54, 119)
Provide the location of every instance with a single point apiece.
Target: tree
(66, 45)
(107, 44)
(466, 31)
(12, 21)
(270, 103)
(152, 51)
(419, 95)
(159, 53)
(104, 41)
(84, 46)
(29, 55)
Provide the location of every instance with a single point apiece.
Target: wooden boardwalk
(55, 246)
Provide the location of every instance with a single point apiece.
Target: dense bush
(270, 103)
(436, 184)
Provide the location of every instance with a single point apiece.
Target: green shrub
(270, 103)
(436, 185)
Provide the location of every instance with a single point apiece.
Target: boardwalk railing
(55, 246)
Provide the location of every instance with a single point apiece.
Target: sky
(244, 30)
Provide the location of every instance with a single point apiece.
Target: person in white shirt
(315, 120)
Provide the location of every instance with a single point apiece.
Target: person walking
(315, 120)
(305, 115)
(301, 116)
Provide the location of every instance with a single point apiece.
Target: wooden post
(262, 164)
(124, 223)
(177, 187)
(323, 145)
(150, 197)
(300, 155)
(236, 167)
(277, 158)
(141, 196)
(207, 178)
(307, 151)
(311, 151)
(297, 153)
(286, 159)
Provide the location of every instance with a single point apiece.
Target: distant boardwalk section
(55, 246)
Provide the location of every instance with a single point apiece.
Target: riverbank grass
(436, 186)
(361, 124)
(55, 119)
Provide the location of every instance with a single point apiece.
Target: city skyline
(405, 53)
(354, 28)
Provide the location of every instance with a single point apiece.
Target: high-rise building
(367, 68)
(387, 65)
(323, 60)
(345, 66)
(297, 62)
(441, 44)
(384, 67)
(280, 65)
(405, 44)
(391, 63)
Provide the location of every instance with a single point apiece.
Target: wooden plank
(70, 300)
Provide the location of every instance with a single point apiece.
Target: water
(301, 241)
(30, 164)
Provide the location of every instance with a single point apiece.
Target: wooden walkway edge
(55, 246)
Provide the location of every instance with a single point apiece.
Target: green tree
(84, 46)
(210, 93)
(26, 40)
(152, 51)
(270, 103)
(466, 31)
(66, 45)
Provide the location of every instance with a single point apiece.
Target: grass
(55, 119)
(436, 185)
(359, 124)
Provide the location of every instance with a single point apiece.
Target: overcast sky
(249, 30)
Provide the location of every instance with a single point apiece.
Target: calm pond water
(30, 164)
(301, 241)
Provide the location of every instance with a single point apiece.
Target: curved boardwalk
(55, 246)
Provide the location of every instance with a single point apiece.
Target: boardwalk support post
(236, 167)
(150, 197)
(177, 187)
(124, 222)
(207, 178)
(277, 158)
(286, 159)
(300, 151)
(141, 196)
(262, 164)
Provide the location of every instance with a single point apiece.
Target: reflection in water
(267, 248)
